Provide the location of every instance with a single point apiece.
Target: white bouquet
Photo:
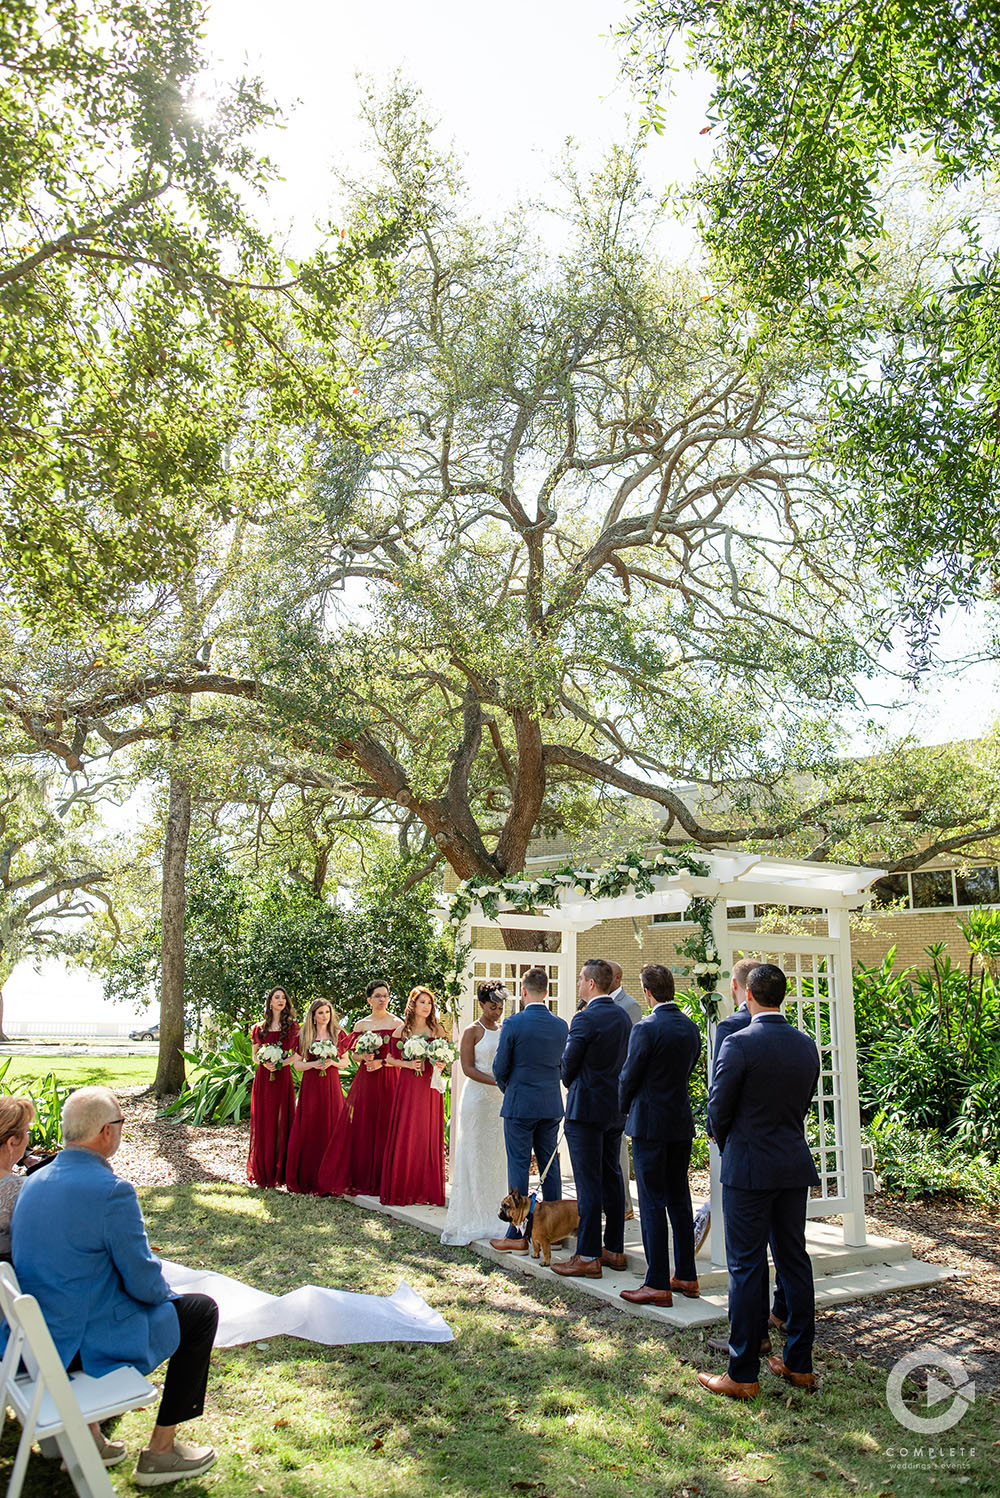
(323, 1050)
(368, 1043)
(415, 1048)
(441, 1052)
(273, 1055)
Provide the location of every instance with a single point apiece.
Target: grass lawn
(83, 1071)
(543, 1394)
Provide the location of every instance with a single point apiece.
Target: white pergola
(820, 992)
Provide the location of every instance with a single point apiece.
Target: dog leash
(541, 1178)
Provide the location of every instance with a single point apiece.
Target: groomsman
(775, 1314)
(653, 1090)
(762, 1085)
(625, 1001)
(526, 1068)
(591, 1064)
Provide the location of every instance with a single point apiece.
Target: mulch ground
(959, 1315)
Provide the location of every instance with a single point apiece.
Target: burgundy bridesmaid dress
(272, 1104)
(319, 1113)
(352, 1164)
(413, 1170)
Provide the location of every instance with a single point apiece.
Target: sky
(509, 84)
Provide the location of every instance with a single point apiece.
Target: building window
(664, 917)
(892, 888)
(938, 889)
(932, 888)
(978, 887)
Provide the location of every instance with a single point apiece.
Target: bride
(479, 1168)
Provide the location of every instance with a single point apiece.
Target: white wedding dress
(479, 1170)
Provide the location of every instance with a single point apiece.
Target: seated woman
(17, 1114)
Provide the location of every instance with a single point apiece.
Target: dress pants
(183, 1396)
(753, 1217)
(596, 1155)
(661, 1176)
(520, 1137)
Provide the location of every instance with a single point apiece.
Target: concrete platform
(841, 1273)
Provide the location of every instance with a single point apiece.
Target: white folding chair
(54, 1406)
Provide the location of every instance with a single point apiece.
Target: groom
(526, 1067)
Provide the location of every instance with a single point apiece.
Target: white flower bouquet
(272, 1055)
(368, 1043)
(441, 1052)
(323, 1050)
(415, 1048)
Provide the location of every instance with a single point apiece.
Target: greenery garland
(532, 894)
(634, 873)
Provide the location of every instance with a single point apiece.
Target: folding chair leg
(24, 1445)
(87, 1472)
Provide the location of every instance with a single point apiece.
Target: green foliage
(218, 1086)
(247, 932)
(48, 1096)
(917, 1162)
(813, 103)
(143, 313)
(929, 1041)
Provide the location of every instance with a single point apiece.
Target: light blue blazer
(79, 1246)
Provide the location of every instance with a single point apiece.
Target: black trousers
(520, 1137)
(596, 1155)
(661, 1175)
(187, 1371)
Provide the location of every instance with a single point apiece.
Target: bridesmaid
(352, 1164)
(414, 1149)
(320, 1109)
(272, 1099)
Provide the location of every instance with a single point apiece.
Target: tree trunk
(170, 1067)
(3, 1034)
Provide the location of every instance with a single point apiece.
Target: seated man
(80, 1247)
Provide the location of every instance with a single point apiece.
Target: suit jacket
(625, 1001)
(80, 1247)
(738, 1020)
(526, 1065)
(653, 1087)
(592, 1062)
(761, 1089)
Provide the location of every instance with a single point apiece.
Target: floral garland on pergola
(634, 874)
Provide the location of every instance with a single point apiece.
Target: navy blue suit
(591, 1065)
(762, 1086)
(738, 1020)
(653, 1091)
(526, 1068)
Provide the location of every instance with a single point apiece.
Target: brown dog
(552, 1221)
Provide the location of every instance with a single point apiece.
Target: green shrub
(978, 1125)
(916, 1163)
(48, 1096)
(218, 1090)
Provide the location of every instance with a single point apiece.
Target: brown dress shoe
(774, 1320)
(613, 1261)
(721, 1344)
(646, 1295)
(510, 1245)
(800, 1380)
(588, 1269)
(721, 1383)
(685, 1287)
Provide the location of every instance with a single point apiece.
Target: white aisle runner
(333, 1317)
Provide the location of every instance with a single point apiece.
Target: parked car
(151, 1032)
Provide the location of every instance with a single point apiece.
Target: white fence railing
(68, 1029)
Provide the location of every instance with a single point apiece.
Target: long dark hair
(409, 1014)
(287, 1014)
